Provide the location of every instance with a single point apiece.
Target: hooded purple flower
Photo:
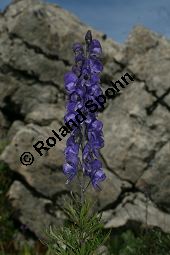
(83, 84)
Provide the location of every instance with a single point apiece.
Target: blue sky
(117, 17)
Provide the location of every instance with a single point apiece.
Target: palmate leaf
(60, 237)
(82, 236)
(70, 239)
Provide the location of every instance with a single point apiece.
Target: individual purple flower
(70, 171)
(82, 83)
(95, 65)
(95, 48)
(70, 80)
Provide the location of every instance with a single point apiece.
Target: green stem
(82, 180)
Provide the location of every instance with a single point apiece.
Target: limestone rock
(136, 208)
(155, 179)
(35, 213)
(35, 52)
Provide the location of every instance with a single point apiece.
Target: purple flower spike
(83, 84)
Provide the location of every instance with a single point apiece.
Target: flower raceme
(84, 235)
(83, 85)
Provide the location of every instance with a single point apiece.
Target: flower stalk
(82, 232)
(83, 177)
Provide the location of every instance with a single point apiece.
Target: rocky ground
(35, 53)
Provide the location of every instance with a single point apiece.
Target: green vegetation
(144, 242)
(82, 234)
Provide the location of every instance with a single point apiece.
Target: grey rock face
(42, 206)
(35, 52)
(135, 207)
